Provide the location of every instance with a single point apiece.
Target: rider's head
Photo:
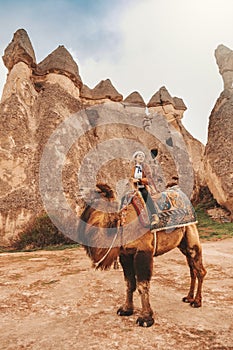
(139, 155)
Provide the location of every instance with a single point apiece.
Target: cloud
(173, 44)
(140, 45)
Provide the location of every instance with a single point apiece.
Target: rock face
(28, 117)
(172, 108)
(218, 153)
(58, 137)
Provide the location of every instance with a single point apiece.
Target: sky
(140, 45)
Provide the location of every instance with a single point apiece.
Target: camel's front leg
(143, 267)
(127, 263)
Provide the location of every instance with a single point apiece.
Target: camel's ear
(174, 181)
(106, 190)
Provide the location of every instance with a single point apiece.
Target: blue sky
(140, 45)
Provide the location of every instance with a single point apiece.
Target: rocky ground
(55, 300)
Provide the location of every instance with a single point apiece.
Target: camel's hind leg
(127, 263)
(190, 246)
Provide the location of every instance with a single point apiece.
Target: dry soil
(55, 300)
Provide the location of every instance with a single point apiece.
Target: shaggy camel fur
(104, 240)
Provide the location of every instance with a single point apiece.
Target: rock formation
(28, 117)
(89, 135)
(60, 61)
(19, 50)
(173, 108)
(218, 152)
(224, 58)
(101, 92)
(135, 99)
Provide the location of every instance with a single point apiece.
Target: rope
(155, 241)
(106, 254)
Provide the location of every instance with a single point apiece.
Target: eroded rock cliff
(218, 152)
(89, 135)
(173, 108)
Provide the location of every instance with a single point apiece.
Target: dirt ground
(55, 300)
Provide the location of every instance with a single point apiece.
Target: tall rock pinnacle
(19, 50)
(218, 152)
(224, 58)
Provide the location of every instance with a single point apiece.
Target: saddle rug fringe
(173, 207)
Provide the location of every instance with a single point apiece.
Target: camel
(105, 239)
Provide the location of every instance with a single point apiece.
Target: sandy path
(55, 300)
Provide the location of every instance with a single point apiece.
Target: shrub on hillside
(39, 234)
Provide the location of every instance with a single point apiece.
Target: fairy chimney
(218, 152)
(102, 91)
(19, 50)
(171, 107)
(60, 61)
(224, 59)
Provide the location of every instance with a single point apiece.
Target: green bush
(39, 234)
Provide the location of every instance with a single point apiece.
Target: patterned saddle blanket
(174, 209)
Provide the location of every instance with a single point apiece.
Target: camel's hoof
(195, 304)
(122, 312)
(116, 266)
(187, 300)
(145, 322)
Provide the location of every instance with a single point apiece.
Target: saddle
(136, 199)
(174, 209)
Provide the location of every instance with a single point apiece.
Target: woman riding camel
(142, 178)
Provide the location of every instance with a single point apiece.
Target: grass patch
(210, 229)
(62, 246)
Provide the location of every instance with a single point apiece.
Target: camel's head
(98, 226)
(106, 191)
(102, 191)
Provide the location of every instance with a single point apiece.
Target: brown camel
(104, 239)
